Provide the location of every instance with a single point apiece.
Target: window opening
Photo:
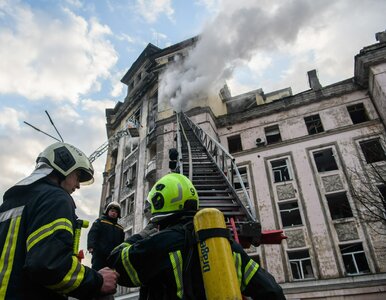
(272, 134)
(234, 144)
(244, 177)
(314, 124)
(354, 259)
(357, 113)
(124, 178)
(339, 206)
(373, 151)
(301, 266)
(280, 169)
(325, 160)
(127, 206)
(290, 214)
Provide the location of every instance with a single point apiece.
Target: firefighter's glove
(149, 230)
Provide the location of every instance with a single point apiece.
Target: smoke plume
(239, 30)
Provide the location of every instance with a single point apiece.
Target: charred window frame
(152, 113)
(339, 206)
(354, 259)
(128, 205)
(373, 151)
(325, 160)
(281, 170)
(124, 178)
(314, 124)
(234, 144)
(290, 214)
(301, 266)
(272, 134)
(357, 113)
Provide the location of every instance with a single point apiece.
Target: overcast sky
(68, 56)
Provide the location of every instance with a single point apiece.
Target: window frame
(276, 169)
(231, 140)
(367, 155)
(299, 263)
(319, 167)
(330, 202)
(312, 126)
(354, 109)
(288, 211)
(244, 178)
(272, 134)
(354, 258)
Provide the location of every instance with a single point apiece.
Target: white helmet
(115, 205)
(65, 158)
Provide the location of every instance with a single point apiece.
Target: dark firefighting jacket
(37, 224)
(166, 266)
(105, 234)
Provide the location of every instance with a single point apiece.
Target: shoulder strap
(190, 243)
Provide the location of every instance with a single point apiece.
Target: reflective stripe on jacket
(37, 236)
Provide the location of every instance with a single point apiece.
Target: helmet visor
(86, 177)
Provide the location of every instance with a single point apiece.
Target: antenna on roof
(49, 117)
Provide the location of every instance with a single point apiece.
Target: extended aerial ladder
(213, 172)
(131, 130)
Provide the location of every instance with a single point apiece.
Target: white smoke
(240, 30)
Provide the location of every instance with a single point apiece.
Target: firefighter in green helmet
(165, 263)
(37, 228)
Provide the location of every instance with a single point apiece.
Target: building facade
(301, 158)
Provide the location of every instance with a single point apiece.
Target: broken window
(325, 160)
(354, 259)
(314, 124)
(127, 206)
(133, 171)
(373, 151)
(290, 214)
(244, 177)
(300, 263)
(357, 113)
(152, 113)
(131, 145)
(234, 144)
(280, 170)
(124, 178)
(339, 206)
(272, 134)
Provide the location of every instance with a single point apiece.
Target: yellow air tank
(216, 259)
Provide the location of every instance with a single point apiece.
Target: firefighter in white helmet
(105, 234)
(37, 225)
(166, 264)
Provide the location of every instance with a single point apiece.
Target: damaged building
(297, 155)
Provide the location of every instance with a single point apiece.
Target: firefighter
(37, 225)
(105, 234)
(166, 264)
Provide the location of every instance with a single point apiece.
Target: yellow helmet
(65, 158)
(173, 193)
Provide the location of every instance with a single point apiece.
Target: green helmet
(173, 193)
(65, 158)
